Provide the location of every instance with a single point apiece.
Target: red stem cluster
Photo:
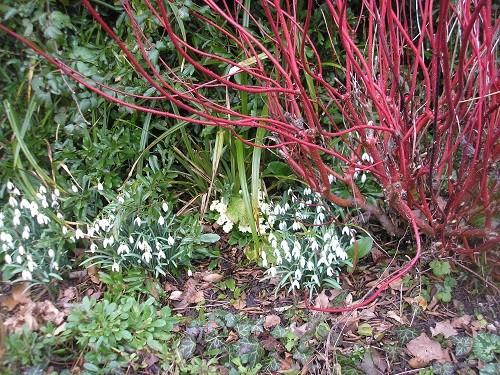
(419, 99)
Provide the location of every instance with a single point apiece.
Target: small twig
(489, 283)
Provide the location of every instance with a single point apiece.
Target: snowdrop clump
(306, 247)
(34, 239)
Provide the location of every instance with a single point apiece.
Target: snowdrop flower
(310, 265)
(307, 191)
(12, 201)
(367, 158)
(74, 189)
(302, 262)
(24, 203)
(161, 255)
(190, 273)
(131, 239)
(170, 240)
(10, 186)
(315, 279)
(138, 221)
(329, 271)
(295, 284)
(64, 230)
(264, 259)
(296, 225)
(115, 267)
(147, 256)
(26, 275)
(93, 248)
(272, 271)
(345, 230)
(164, 207)
(55, 266)
(122, 249)
(244, 228)
(51, 253)
(100, 187)
(79, 234)
(284, 246)
(59, 216)
(331, 178)
(298, 274)
(161, 220)
(7, 259)
(314, 245)
(21, 250)
(120, 199)
(363, 178)
(282, 225)
(57, 193)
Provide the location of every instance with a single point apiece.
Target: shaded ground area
(231, 314)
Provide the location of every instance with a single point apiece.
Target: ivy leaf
(187, 347)
(243, 329)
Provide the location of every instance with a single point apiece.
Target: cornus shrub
(414, 86)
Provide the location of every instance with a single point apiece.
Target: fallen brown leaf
(20, 294)
(212, 277)
(445, 328)
(461, 322)
(417, 362)
(271, 321)
(425, 348)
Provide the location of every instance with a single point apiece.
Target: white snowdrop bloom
(161, 220)
(164, 207)
(31, 265)
(264, 259)
(319, 208)
(161, 255)
(54, 204)
(296, 226)
(157, 245)
(213, 205)
(298, 274)
(329, 271)
(331, 178)
(26, 233)
(42, 219)
(307, 191)
(296, 250)
(100, 187)
(115, 267)
(314, 245)
(120, 199)
(19, 259)
(310, 265)
(147, 256)
(24, 203)
(284, 245)
(272, 271)
(57, 193)
(274, 244)
(190, 273)
(10, 186)
(13, 201)
(367, 158)
(355, 175)
(271, 237)
(90, 231)
(319, 218)
(122, 249)
(40, 196)
(64, 230)
(363, 178)
(105, 243)
(302, 262)
(345, 230)
(6, 237)
(16, 191)
(42, 189)
(59, 216)
(264, 207)
(51, 253)
(341, 253)
(286, 207)
(295, 284)
(277, 209)
(282, 225)
(103, 224)
(227, 226)
(21, 250)
(33, 209)
(111, 240)
(26, 275)
(55, 266)
(93, 248)
(271, 220)
(138, 221)
(279, 260)
(170, 240)
(74, 189)
(7, 259)
(327, 236)
(17, 212)
(131, 239)
(79, 234)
